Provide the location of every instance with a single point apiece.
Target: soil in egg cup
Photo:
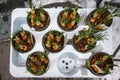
(23, 41)
(38, 19)
(100, 63)
(53, 41)
(68, 19)
(37, 63)
(86, 40)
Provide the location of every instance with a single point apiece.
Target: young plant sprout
(32, 7)
(74, 13)
(42, 15)
(48, 43)
(56, 46)
(72, 23)
(66, 12)
(64, 21)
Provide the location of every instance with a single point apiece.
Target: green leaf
(76, 8)
(32, 6)
(106, 71)
(99, 62)
(60, 35)
(116, 15)
(77, 19)
(102, 9)
(40, 55)
(18, 45)
(31, 58)
(116, 10)
(88, 63)
(84, 34)
(41, 9)
(51, 32)
(29, 69)
(92, 44)
(67, 9)
(63, 20)
(110, 56)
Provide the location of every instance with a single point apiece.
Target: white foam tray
(17, 67)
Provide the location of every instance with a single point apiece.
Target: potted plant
(102, 15)
(100, 63)
(69, 18)
(23, 41)
(37, 63)
(86, 40)
(38, 18)
(53, 41)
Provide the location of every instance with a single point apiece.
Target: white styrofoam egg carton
(17, 60)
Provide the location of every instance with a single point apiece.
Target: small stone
(117, 29)
(5, 18)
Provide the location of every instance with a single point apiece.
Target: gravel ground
(6, 7)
